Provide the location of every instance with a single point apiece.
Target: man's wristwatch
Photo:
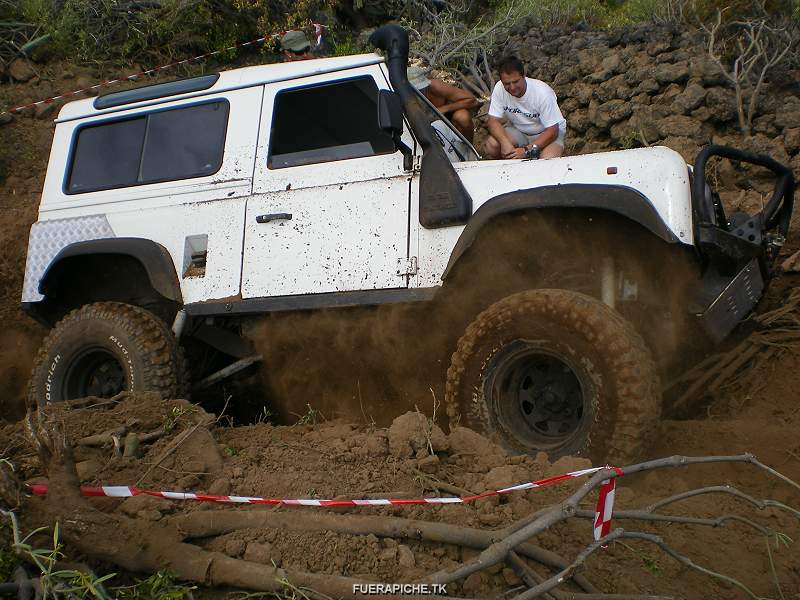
(532, 152)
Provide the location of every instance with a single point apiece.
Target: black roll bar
(776, 213)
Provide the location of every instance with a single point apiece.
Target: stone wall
(654, 85)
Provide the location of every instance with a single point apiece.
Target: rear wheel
(106, 348)
(555, 371)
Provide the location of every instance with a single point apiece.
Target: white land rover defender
(172, 212)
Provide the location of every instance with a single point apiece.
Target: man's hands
(507, 150)
(522, 152)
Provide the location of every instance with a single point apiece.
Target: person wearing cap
(295, 46)
(454, 103)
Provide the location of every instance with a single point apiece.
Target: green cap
(295, 41)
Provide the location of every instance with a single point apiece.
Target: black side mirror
(390, 112)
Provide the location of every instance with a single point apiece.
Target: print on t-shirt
(517, 111)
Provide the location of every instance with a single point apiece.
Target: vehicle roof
(234, 79)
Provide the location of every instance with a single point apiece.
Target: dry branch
(759, 46)
(719, 371)
(561, 512)
(139, 546)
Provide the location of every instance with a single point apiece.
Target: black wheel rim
(94, 372)
(537, 395)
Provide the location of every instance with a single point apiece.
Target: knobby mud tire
(142, 344)
(624, 405)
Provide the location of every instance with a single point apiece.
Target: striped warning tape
(318, 30)
(602, 523)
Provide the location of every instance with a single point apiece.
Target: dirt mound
(185, 449)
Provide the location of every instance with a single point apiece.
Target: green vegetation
(161, 585)
(620, 13)
(125, 32)
(78, 583)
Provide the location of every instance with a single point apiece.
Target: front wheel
(555, 371)
(103, 349)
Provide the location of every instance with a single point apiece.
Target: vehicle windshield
(455, 145)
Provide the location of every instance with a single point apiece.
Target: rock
(588, 60)
(220, 487)
(583, 92)
(45, 111)
(87, 469)
(504, 476)
(674, 57)
(656, 47)
(701, 114)
(466, 441)
(388, 554)
(722, 104)
(599, 76)
(648, 86)
(189, 482)
(578, 121)
(792, 264)
(624, 135)
(691, 97)
(765, 124)
(150, 514)
(474, 585)
(794, 165)
(134, 505)
(235, 548)
(376, 445)
(405, 557)
(791, 140)
(761, 144)
(565, 464)
(20, 70)
(410, 432)
(671, 73)
(670, 93)
(605, 115)
(429, 464)
(788, 115)
(490, 519)
(569, 105)
(677, 125)
(568, 75)
(616, 87)
(200, 453)
(611, 62)
(706, 70)
(259, 553)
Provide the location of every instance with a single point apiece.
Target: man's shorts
(520, 139)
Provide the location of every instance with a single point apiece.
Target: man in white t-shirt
(534, 126)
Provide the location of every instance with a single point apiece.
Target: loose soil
(321, 456)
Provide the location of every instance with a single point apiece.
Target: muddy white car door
(330, 205)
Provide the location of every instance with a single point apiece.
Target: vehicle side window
(327, 122)
(168, 145)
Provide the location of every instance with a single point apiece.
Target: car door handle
(274, 217)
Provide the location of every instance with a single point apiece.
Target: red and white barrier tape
(605, 506)
(602, 524)
(318, 30)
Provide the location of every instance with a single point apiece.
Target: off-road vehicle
(173, 211)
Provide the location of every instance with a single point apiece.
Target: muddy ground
(315, 455)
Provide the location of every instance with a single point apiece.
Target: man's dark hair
(511, 64)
